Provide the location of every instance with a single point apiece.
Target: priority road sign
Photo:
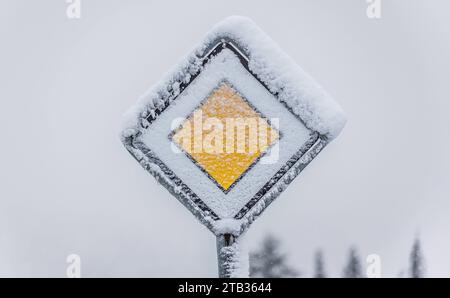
(231, 127)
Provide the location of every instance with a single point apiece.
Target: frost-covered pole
(232, 257)
(225, 255)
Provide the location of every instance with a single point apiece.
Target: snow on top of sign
(278, 71)
(283, 76)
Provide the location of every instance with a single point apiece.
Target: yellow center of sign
(225, 136)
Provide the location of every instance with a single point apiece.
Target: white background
(68, 185)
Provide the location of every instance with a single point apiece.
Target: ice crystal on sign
(225, 136)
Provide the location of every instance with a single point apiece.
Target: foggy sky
(68, 185)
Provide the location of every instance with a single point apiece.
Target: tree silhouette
(268, 262)
(353, 267)
(319, 267)
(417, 267)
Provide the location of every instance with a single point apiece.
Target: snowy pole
(225, 255)
(232, 258)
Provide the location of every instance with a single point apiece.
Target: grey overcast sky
(69, 186)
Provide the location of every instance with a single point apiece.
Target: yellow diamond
(225, 136)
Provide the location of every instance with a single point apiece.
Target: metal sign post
(226, 255)
(229, 129)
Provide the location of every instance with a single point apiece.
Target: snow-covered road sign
(231, 126)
